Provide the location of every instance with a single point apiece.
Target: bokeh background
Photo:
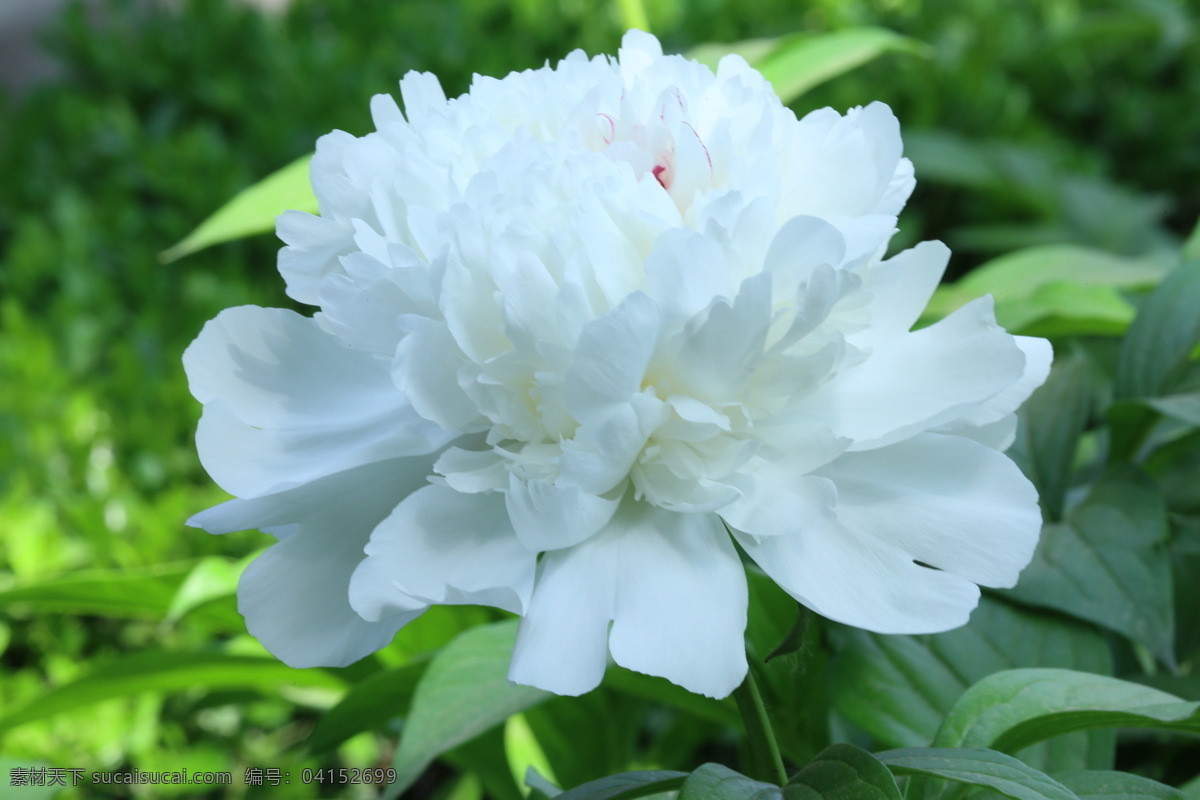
(1029, 122)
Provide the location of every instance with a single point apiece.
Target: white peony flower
(581, 330)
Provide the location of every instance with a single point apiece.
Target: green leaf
(627, 786)
(539, 787)
(899, 688)
(975, 766)
(1157, 349)
(1191, 248)
(1011, 710)
(369, 705)
(138, 594)
(1052, 420)
(1107, 785)
(464, 692)
(161, 671)
(797, 62)
(803, 60)
(1040, 284)
(1107, 563)
(843, 772)
(717, 782)
(251, 211)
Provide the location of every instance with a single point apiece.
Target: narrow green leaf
(717, 782)
(210, 579)
(161, 671)
(797, 62)
(627, 786)
(1108, 785)
(369, 705)
(804, 60)
(899, 688)
(976, 766)
(1107, 563)
(1011, 710)
(137, 594)
(843, 772)
(1161, 339)
(464, 692)
(251, 211)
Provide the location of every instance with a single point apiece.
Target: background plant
(1054, 149)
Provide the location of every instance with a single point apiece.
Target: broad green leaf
(843, 772)
(1191, 248)
(1108, 785)
(598, 734)
(717, 782)
(1011, 710)
(627, 786)
(1053, 281)
(464, 692)
(1052, 420)
(976, 766)
(161, 671)
(797, 62)
(1182, 407)
(660, 690)
(899, 688)
(1107, 563)
(484, 757)
(369, 705)
(138, 594)
(251, 211)
(1156, 351)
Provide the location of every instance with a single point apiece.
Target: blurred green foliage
(1058, 123)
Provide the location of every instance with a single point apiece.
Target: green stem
(763, 747)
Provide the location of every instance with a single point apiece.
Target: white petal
(425, 368)
(780, 499)
(549, 517)
(286, 402)
(600, 455)
(295, 595)
(920, 380)
(800, 246)
(472, 471)
(673, 588)
(443, 547)
(611, 358)
(685, 271)
(949, 502)
(900, 289)
(1038, 356)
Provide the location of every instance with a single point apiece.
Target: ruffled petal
(443, 547)
(286, 402)
(960, 508)
(671, 585)
(549, 517)
(295, 595)
(917, 381)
